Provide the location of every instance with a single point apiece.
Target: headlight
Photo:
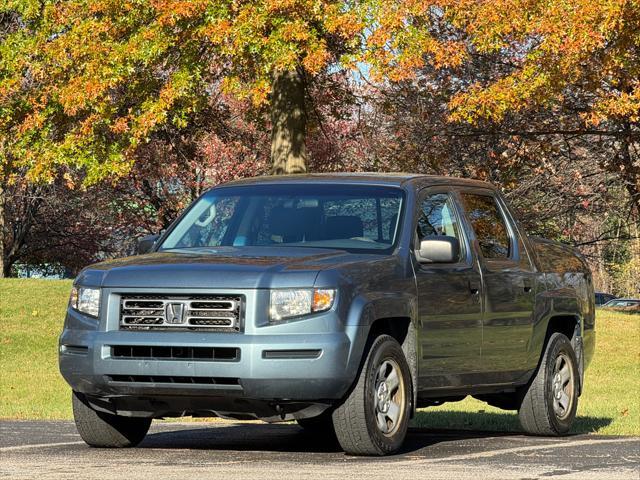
(85, 300)
(295, 303)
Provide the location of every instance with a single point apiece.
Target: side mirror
(146, 243)
(438, 249)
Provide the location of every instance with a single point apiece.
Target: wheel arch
(571, 326)
(396, 316)
(556, 310)
(403, 330)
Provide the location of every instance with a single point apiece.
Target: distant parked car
(602, 298)
(623, 304)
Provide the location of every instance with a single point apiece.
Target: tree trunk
(629, 170)
(288, 123)
(1, 230)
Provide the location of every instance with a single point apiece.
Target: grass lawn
(32, 312)
(31, 317)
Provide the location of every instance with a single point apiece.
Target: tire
(323, 423)
(364, 415)
(550, 402)
(104, 430)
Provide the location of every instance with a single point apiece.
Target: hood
(225, 267)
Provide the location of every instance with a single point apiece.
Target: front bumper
(88, 366)
(316, 362)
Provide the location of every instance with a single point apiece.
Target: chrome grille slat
(145, 312)
(221, 311)
(230, 305)
(142, 308)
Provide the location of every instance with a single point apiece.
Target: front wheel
(551, 400)
(104, 430)
(374, 417)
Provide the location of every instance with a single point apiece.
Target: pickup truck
(343, 302)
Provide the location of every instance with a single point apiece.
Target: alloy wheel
(388, 396)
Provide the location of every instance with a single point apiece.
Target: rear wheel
(550, 402)
(99, 429)
(374, 417)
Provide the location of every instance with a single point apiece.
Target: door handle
(474, 287)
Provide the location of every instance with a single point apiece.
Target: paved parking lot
(44, 450)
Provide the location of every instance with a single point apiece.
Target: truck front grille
(196, 312)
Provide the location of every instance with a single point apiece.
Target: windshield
(349, 217)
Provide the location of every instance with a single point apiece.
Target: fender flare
(554, 304)
(365, 311)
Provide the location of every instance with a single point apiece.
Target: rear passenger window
(488, 225)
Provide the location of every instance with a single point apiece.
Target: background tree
(174, 95)
(570, 57)
(64, 223)
(85, 83)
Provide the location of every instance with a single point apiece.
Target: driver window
(437, 217)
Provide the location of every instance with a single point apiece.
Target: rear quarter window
(488, 224)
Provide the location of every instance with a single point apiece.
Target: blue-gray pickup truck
(341, 301)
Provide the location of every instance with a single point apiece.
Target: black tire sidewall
(104, 430)
(385, 348)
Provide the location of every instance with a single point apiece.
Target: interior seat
(343, 226)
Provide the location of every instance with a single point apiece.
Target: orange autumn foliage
(86, 82)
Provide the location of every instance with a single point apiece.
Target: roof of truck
(370, 178)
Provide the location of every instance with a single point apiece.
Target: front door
(449, 306)
(509, 283)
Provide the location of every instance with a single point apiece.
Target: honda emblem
(175, 313)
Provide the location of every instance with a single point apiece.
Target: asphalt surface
(185, 451)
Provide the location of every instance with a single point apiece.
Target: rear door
(449, 307)
(509, 280)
